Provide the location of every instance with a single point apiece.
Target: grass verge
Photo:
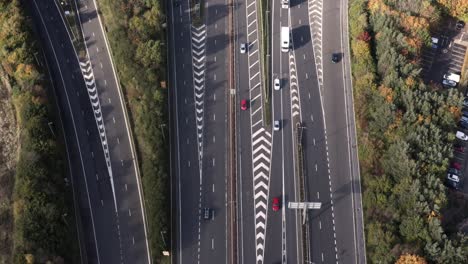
(265, 57)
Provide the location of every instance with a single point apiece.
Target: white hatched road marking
(261, 139)
(198, 37)
(87, 72)
(294, 89)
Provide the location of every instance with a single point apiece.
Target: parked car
(459, 148)
(275, 205)
(449, 83)
(456, 165)
(460, 135)
(454, 171)
(465, 102)
(464, 124)
(453, 177)
(453, 184)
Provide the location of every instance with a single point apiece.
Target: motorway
(328, 131)
(199, 77)
(315, 99)
(103, 170)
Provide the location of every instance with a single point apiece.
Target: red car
(276, 204)
(456, 165)
(460, 149)
(244, 104)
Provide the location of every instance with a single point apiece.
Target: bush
(41, 208)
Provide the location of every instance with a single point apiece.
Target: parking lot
(447, 54)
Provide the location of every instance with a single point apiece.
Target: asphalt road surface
(106, 186)
(199, 112)
(328, 131)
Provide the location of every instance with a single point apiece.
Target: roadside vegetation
(137, 38)
(265, 51)
(405, 131)
(36, 216)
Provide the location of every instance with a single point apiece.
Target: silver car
(243, 48)
(449, 83)
(276, 125)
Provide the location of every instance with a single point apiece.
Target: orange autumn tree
(456, 8)
(411, 259)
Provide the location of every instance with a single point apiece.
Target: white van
(284, 39)
(461, 135)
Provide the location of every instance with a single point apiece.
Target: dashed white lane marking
(315, 8)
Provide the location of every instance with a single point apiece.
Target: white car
(276, 125)
(453, 177)
(277, 84)
(461, 135)
(243, 48)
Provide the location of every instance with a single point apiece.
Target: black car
(206, 213)
(464, 124)
(335, 57)
(465, 102)
(453, 185)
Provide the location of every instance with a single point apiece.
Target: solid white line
(74, 128)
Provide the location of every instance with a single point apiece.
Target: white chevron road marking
(263, 185)
(261, 195)
(261, 166)
(261, 175)
(261, 156)
(261, 147)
